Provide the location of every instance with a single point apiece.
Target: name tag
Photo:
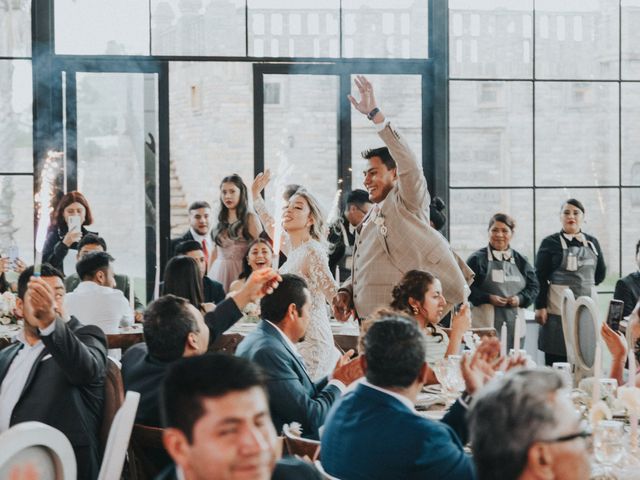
(497, 276)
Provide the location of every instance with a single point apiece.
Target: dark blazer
(628, 290)
(54, 250)
(71, 282)
(212, 291)
(293, 397)
(370, 435)
(287, 468)
(65, 388)
(175, 241)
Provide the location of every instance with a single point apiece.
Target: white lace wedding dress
(309, 260)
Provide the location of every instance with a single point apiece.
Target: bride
(307, 257)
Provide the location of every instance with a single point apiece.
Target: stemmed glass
(608, 443)
(448, 373)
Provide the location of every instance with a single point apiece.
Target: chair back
(44, 448)
(148, 454)
(324, 474)
(113, 398)
(297, 445)
(116, 451)
(586, 334)
(566, 314)
(227, 343)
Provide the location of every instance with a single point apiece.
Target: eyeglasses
(584, 433)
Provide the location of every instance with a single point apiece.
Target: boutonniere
(379, 221)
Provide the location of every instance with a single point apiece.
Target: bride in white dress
(307, 257)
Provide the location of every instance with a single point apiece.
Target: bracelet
(372, 113)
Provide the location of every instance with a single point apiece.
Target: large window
(541, 110)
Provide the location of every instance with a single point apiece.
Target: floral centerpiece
(7, 308)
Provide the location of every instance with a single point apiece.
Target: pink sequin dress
(228, 264)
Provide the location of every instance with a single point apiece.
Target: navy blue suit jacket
(293, 397)
(370, 435)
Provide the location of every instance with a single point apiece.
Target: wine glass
(448, 373)
(608, 442)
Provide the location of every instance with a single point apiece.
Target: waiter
(505, 282)
(568, 259)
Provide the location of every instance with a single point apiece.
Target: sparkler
(43, 204)
(281, 180)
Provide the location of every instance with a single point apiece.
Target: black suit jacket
(628, 290)
(175, 241)
(212, 291)
(65, 388)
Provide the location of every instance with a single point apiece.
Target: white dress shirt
(16, 377)
(199, 238)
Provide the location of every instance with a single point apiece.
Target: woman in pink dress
(236, 228)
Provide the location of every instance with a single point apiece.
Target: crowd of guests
(221, 414)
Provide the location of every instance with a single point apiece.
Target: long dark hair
(182, 278)
(246, 268)
(239, 228)
(414, 284)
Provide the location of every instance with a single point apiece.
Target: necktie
(206, 253)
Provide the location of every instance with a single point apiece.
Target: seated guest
(93, 243)
(525, 426)
(373, 432)
(419, 294)
(199, 230)
(505, 282)
(228, 432)
(628, 288)
(95, 301)
(616, 343)
(173, 329)
(54, 372)
(182, 278)
(212, 291)
(293, 397)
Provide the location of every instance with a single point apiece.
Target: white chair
(586, 328)
(118, 441)
(567, 312)
(45, 448)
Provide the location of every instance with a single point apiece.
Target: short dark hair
(187, 246)
(197, 205)
(167, 323)
(384, 155)
(46, 270)
(437, 213)
(273, 307)
(357, 197)
(575, 203)
(394, 349)
(191, 380)
(92, 239)
(503, 218)
(91, 263)
(182, 278)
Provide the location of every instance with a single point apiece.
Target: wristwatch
(373, 113)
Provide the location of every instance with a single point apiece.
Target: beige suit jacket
(399, 238)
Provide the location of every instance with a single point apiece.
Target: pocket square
(46, 357)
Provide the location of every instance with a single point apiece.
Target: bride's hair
(317, 229)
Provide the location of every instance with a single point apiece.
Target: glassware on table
(608, 442)
(608, 388)
(448, 373)
(565, 370)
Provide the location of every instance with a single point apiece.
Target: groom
(395, 236)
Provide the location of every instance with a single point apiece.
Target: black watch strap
(373, 113)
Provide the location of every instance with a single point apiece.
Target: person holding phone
(567, 259)
(628, 288)
(617, 345)
(70, 217)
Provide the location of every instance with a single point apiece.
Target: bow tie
(578, 236)
(502, 255)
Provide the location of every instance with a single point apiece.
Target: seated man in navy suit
(374, 432)
(293, 397)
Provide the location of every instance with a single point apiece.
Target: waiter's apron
(577, 272)
(503, 279)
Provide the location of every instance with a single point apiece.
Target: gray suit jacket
(399, 238)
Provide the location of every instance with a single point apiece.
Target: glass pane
(382, 29)
(471, 211)
(117, 127)
(602, 220)
(301, 126)
(630, 37)
(16, 119)
(576, 133)
(630, 107)
(15, 29)
(630, 229)
(16, 215)
(491, 133)
(491, 39)
(294, 28)
(400, 98)
(213, 27)
(211, 133)
(577, 39)
(99, 27)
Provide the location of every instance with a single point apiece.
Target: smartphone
(13, 253)
(614, 316)
(73, 222)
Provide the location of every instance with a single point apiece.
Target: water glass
(608, 441)
(565, 370)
